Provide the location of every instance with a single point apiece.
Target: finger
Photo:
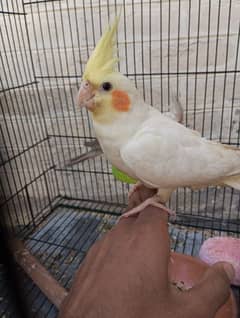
(151, 214)
(139, 195)
(152, 225)
(113, 240)
(214, 288)
(145, 193)
(134, 200)
(123, 225)
(118, 236)
(152, 241)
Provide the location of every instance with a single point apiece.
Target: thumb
(214, 288)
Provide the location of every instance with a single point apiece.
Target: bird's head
(104, 91)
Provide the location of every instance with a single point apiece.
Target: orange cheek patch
(120, 101)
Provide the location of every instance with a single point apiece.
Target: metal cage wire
(185, 48)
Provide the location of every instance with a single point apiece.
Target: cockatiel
(142, 142)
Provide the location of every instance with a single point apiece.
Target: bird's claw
(154, 201)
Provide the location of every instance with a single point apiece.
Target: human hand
(125, 274)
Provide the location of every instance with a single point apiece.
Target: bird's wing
(167, 154)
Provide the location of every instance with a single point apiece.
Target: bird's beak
(86, 96)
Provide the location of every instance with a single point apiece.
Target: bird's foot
(135, 187)
(154, 201)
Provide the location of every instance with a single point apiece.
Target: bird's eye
(106, 86)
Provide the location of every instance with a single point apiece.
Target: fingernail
(229, 269)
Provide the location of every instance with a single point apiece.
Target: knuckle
(220, 275)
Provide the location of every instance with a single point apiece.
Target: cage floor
(62, 241)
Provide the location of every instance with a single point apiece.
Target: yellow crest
(103, 59)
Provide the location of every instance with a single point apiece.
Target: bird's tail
(233, 181)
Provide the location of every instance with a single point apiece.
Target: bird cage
(183, 49)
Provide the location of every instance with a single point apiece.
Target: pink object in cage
(218, 249)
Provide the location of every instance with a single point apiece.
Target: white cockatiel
(143, 143)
